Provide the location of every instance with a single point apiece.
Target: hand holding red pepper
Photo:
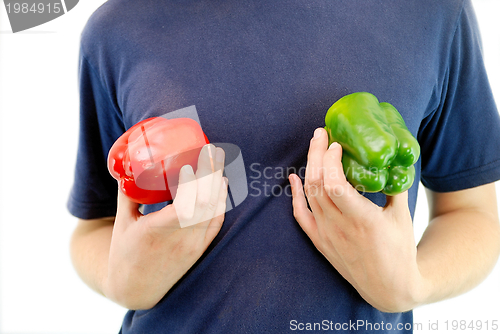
(150, 253)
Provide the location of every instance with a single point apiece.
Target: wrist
(129, 295)
(413, 292)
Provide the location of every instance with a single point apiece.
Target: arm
(89, 249)
(374, 248)
(135, 259)
(462, 242)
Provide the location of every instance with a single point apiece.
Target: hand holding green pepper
(378, 149)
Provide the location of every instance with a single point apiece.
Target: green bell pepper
(378, 149)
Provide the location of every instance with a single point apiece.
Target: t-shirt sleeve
(460, 139)
(94, 191)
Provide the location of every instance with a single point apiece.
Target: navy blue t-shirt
(261, 75)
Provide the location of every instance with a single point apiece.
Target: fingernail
(187, 170)
(317, 133)
(219, 155)
(210, 149)
(333, 145)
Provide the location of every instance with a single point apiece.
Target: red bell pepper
(147, 158)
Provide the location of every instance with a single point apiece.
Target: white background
(39, 290)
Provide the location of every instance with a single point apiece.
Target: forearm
(457, 251)
(123, 280)
(90, 244)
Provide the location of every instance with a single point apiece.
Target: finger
(127, 210)
(220, 156)
(206, 164)
(215, 223)
(205, 177)
(313, 186)
(185, 199)
(221, 203)
(217, 174)
(398, 203)
(301, 212)
(314, 168)
(338, 189)
(213, 193)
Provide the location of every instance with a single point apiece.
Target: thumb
(127, 210)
